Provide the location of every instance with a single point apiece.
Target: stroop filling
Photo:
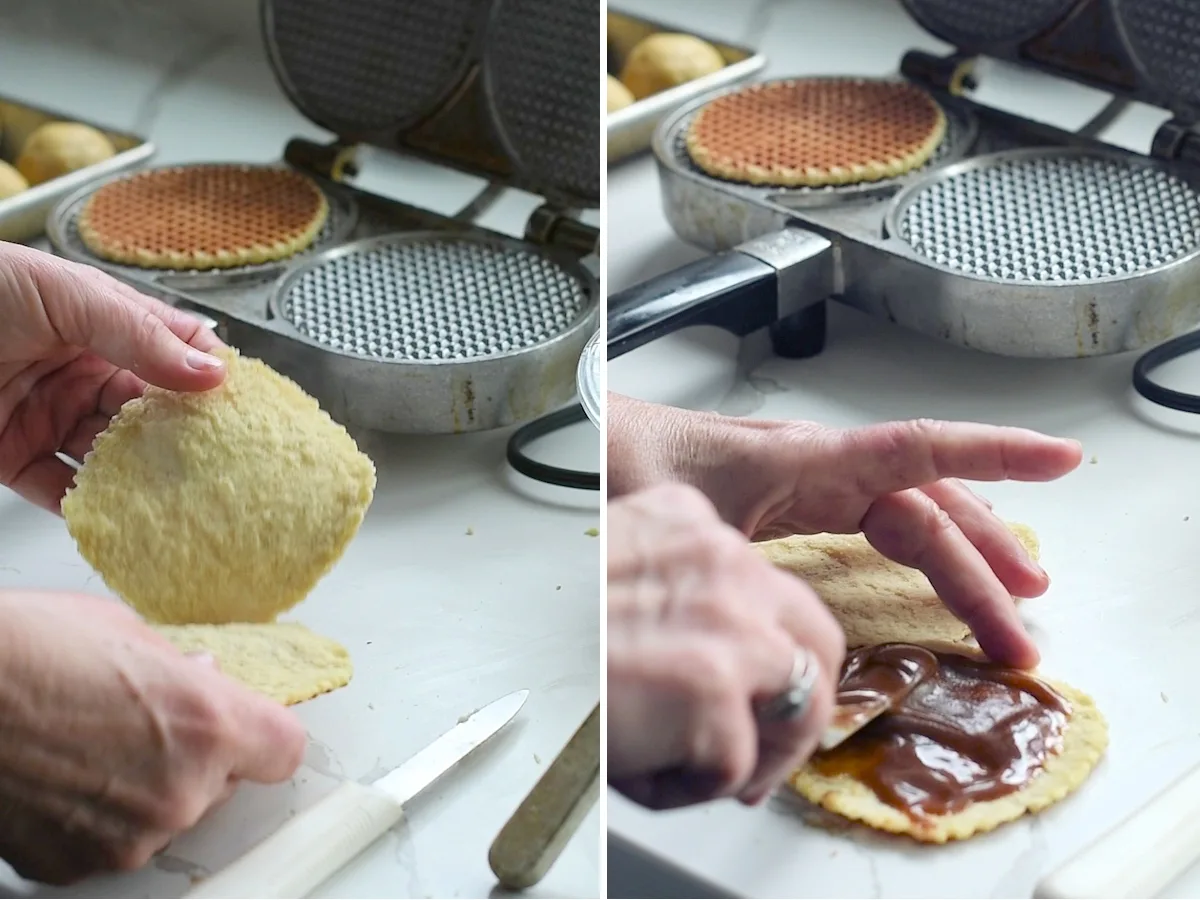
(959, 730)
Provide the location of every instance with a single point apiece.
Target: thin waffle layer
(817, 132)
(203, 217)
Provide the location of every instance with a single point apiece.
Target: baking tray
(23, 217)
(631, 130)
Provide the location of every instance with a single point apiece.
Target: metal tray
(631, 130)
(23, 217)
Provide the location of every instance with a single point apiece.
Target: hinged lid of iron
(1147, 50)
(505, 89)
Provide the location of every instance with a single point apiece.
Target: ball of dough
(11, 181)
(618, 95)
(58, 148)
(666, 60)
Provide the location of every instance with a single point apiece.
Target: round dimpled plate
(1051, 218)
(972, 22)
(432, 299)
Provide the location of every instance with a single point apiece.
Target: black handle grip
(731, 290)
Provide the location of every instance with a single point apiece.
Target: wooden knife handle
(309, 848)
(548, 818)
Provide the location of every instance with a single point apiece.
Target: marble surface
(466, 581)
(1119, 537)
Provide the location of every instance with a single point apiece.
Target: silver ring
(792, 703)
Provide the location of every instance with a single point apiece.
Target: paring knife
(316, 843)
(851, 716)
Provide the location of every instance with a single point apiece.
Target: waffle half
(203, 217)
(817, 132)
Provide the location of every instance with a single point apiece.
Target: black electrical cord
(539, 428)
(1160, 356)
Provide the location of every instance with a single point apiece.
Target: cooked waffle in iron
(817, 132)
(203, 217)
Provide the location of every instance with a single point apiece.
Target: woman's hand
(701, 628)
(75, 344)
(895, 482)
(112, 742)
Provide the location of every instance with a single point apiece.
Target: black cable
(539, 428)
(1159, 356)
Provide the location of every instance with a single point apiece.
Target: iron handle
(731, 290)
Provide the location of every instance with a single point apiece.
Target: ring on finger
(792, 703)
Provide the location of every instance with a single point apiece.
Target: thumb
(86, 312)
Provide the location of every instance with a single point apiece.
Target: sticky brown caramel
(959, 730)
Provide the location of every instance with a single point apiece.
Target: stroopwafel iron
(398, 318)
(1017, 238)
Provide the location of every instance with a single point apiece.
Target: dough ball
(11, 181)
(59, 148)
(666, 60)
(618, 95)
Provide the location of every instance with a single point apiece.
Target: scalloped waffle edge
(276, 213)
(853, 130)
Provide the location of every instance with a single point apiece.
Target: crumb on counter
(470, 531)
(1093, 460)
(1163, 694)
(593, 532)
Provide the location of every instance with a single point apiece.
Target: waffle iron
(400, 319)
(1016, 239)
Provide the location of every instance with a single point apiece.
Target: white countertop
(1120, 535)
(439, 621)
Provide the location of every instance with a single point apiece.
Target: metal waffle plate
(1164, 38)
(434, 298)
(63, 231)
(370, 66)
(975, 23)
(671, 146)
(1050, 216)
(544, 100)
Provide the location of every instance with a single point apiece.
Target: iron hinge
(553, 226)
(333, 162)
(1177, 140)
(953, 74)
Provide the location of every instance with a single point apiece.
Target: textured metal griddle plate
(960, 133)
(426, 298)
(343, 216)
(541, 65)
(362, 66)
(1050, 217)
(1165, 37)
(972, 22)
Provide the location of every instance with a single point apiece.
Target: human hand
(76, 344)
(701, 628)
(112, 742)
(896, 482)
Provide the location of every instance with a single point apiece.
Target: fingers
(270, 739)
(1000, 548)
(914, 531)
(43, 483)
(90, 309)
(807, 626)
(896, 456)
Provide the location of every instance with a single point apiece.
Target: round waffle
(817, 132)
(203, 217)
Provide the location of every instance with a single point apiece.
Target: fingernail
(202, 362)
(203, 657)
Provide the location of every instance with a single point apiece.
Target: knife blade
(851, 716)
(316, 843)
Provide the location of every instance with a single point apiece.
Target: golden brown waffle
(203, 217)
(816, 132)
